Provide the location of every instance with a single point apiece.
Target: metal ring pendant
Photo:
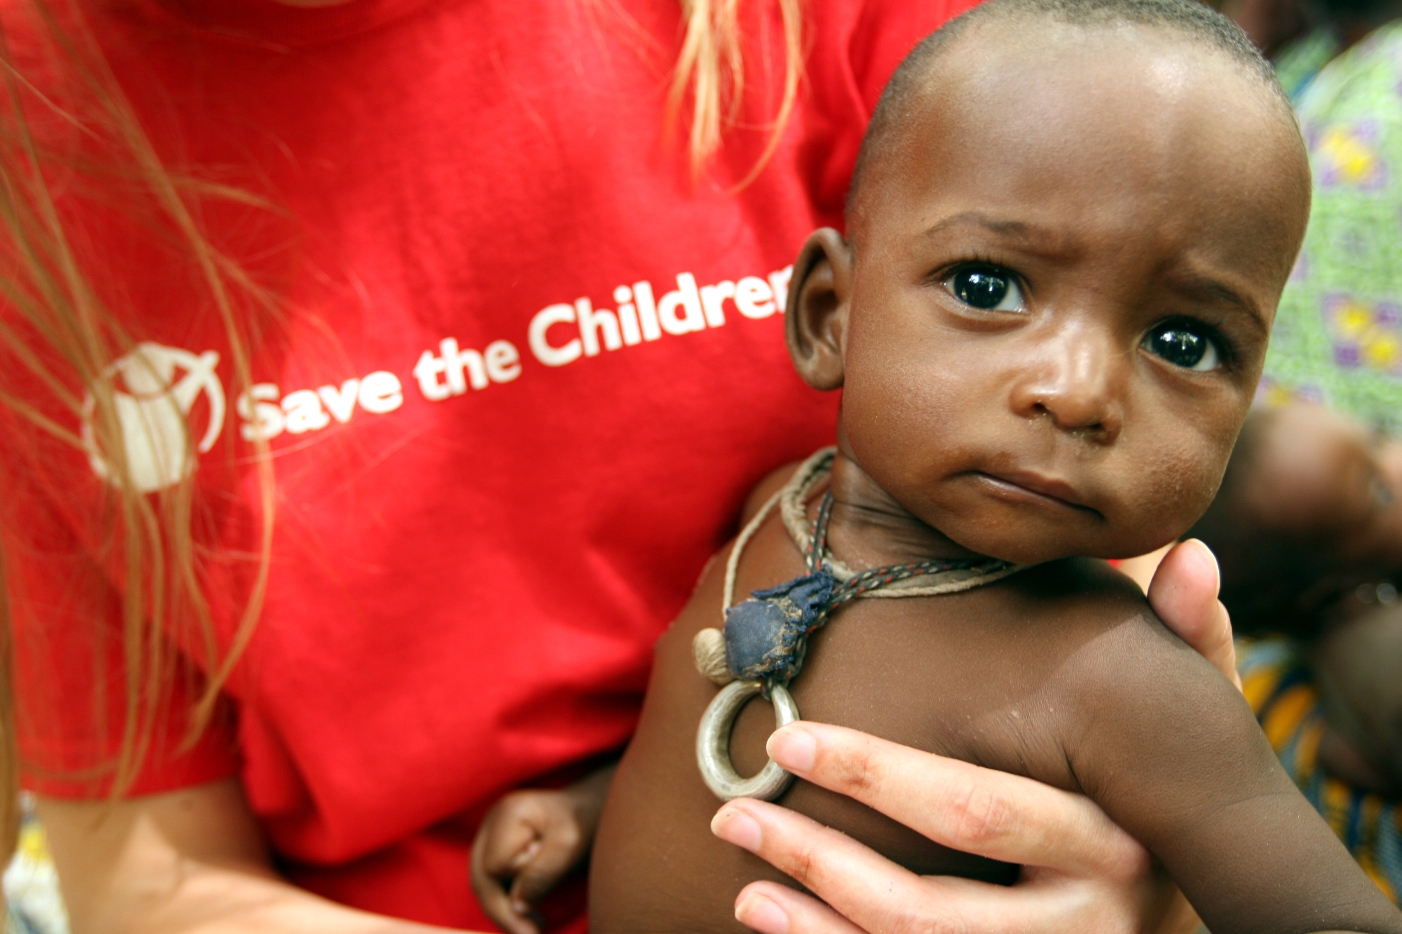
(713, 743)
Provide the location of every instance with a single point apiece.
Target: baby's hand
(529, 842)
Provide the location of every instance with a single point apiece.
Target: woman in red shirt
(405, 328)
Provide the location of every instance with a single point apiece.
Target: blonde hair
(63, 336)
(711, 70)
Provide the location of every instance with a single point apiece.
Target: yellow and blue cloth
(1280, 688)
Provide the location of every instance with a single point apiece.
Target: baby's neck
(869, 528)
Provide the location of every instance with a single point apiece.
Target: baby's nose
(1075, 382)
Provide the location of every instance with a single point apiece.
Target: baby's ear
(816, 318)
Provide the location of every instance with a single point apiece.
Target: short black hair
(1189, 19)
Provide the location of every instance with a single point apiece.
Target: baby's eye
(989, 288)
(1185, 344)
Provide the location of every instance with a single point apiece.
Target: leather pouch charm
(766, 637)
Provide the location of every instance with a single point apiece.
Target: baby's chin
(1029, 546)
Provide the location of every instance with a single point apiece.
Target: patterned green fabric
(1298, 63)
(1338, 335)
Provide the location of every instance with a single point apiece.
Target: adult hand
(1081, 872)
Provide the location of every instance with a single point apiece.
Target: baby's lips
(1043, 485)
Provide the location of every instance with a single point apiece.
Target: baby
(1069, 228)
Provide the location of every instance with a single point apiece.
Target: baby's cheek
(1179, 452)
(895, 408)
(1173, 490)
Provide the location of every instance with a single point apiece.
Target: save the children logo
(154, 390)
(162, 426)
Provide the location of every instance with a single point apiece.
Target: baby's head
(1068, 232)
(1310, 511)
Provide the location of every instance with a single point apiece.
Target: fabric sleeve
(885, 33)
(71, 697)
(854, 47)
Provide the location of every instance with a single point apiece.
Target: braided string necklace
(864, 582)
(765, 638)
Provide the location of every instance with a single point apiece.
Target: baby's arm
(1172, 752)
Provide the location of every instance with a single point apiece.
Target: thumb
(1184, 595)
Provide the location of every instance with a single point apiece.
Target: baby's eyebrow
(1202, 287)
(1018, 229)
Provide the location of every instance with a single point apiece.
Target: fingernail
(735, 826)
(1206, 556)
(761, 914)
(793, 747)
(521, 908)
(525, 856)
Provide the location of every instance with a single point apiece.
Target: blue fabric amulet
(766, 637)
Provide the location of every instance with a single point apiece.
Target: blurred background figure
(1308, 517)
(1308, 530)
(1271, 24)
(1308, 526)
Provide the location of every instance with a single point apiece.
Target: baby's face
(1063, 284)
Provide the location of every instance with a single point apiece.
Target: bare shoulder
(681, 877)
(769, 557)
(1100, 615)
(1104, 655)
(1118, 661)
(1087, 598)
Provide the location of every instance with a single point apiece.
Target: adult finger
(960, 805)
(1184, 595)
(856, 881)
(771, 908)
(873, 894)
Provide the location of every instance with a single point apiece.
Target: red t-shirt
(525, 374)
